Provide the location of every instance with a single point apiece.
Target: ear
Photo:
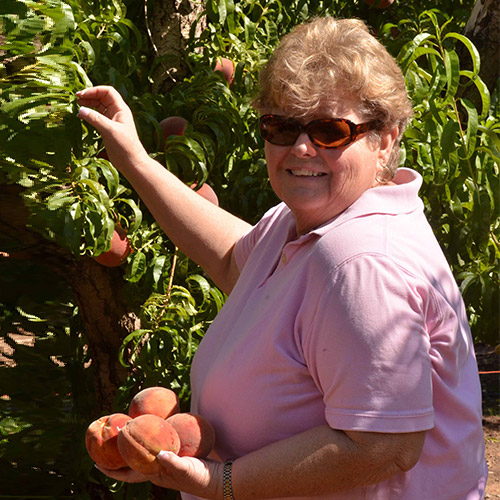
(387, 140)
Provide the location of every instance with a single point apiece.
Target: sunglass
(328, 133)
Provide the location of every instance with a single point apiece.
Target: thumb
(169, 459)
(94, 118)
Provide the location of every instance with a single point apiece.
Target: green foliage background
(49, 49)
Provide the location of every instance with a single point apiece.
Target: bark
(483, 28)
(96, 291)
(169, 23)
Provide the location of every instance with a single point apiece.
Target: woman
(341, 365)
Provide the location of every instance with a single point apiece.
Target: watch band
(227, 487)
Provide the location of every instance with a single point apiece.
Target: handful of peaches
(153, 424)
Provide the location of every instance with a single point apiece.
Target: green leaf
(134, 337)
(60, 199)
(136, 218)
(471, 130)
(474, 54)
(73, 222)
(111, 175)
(452, 66)
(137, 267)
(158, 267)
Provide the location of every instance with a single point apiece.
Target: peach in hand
(101, 440)
(196, 434)
(159, 401)
(142, 438)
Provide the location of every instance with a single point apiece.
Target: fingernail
(164, 454)
(84, 111)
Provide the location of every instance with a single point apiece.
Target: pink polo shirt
(358, 324)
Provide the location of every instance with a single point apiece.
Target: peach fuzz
(142, 438)
(196, 434)
(101, 440)
(158, 401)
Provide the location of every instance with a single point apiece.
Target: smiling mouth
(305, 173)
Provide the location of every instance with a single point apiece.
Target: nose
(304, 146)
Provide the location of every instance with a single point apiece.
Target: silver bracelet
(227, 487)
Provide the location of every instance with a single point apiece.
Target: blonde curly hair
(326, 60)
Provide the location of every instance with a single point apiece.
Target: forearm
(322, 460)
(201, 230)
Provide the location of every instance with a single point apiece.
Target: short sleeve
(367, 347)
(249, 240)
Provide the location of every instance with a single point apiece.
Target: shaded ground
(488, 361)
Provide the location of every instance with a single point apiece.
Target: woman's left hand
(191, 475)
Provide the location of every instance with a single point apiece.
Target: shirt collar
(391, 200)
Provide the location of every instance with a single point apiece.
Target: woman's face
(318, 184)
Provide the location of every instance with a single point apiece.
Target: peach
(196, 434)
(101, 440)
(172, 125)
(142, 438)
(226, 67)
(158, 401)
(207, 192)
(119, 250)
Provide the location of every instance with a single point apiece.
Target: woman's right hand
(205, 233)
(104, 108)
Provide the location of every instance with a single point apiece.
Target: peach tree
(79, 338)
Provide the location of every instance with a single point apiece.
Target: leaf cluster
(455, 146)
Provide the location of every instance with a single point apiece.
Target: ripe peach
(207, 192)
(172, 125)
(143, 438)
(101, 440)
(158, 401)
(119, 250)
(196, 434)
(226, 67)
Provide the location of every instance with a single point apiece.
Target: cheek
(274, 156)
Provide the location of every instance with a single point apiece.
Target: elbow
(409, 455)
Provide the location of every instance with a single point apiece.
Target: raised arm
(204, 232)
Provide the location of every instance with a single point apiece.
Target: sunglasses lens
(279, 131)
(329, 133)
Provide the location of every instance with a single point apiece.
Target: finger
(125, 474)
(102, 93)
(94, 118)
(102, 97)
(170, 460)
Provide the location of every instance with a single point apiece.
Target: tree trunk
(483, 29)
(96, 290)
(169, 23)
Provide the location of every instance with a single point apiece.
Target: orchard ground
(488, 361)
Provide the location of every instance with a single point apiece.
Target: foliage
(456, 148)
(49, 49)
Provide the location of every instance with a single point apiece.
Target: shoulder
(274, 226)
